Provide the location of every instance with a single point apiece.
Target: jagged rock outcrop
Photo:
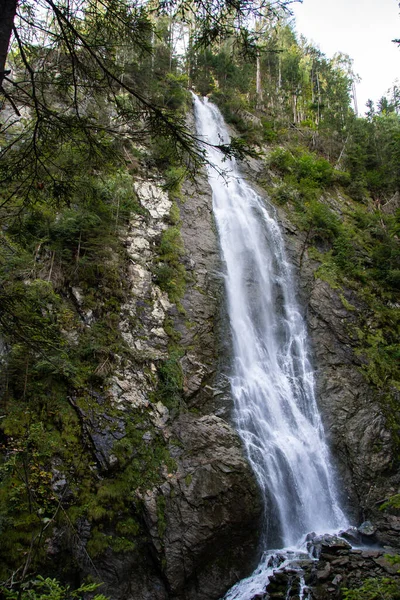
(352, 413)
(338, 566)
(202, 517)
(353, 418)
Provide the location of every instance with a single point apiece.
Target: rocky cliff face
(205, 532)
(356, 426)
(200, 511)
(357, 430)
(202, 516)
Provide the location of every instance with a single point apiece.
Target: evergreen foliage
(375, 589)
(50, 589)
(95, 93)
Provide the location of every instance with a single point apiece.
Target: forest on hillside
(94, 93)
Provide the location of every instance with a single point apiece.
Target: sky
(364, 30)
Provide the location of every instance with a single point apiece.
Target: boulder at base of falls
(320, 544)
(367, 529)
(352, 535)
(203, 520)
(324, 579)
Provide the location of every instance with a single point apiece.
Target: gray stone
(367, 528)
(209, 512)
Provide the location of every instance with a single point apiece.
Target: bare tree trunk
(338, 162)
(259, 91)
(319, 101)
(8, 9)
(279, 73)
(171, 43)
(152, 51)
(355, 98)
(188, 55)
(312, 84)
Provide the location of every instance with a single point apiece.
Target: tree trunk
(319, 102)
(259, 90)
(8, 8)
(355, 98)
(171, 43)
(279, 73)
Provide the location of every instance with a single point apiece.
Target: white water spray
(272, 381)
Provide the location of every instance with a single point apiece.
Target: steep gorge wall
(200, 533)
(360, 437)
(211, 503)
(353, 417)
(202, 516)
(167, 506)
(356, 427)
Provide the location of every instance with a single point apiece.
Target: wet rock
(210, 510)
(352, 535)
(324, 573)
(367, 529)
(392, 568)
(354, 423)
(102, 429)
(200, 325)
(337, 580)
(322, 544)
(326, 577)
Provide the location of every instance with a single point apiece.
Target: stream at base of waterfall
(272, 380)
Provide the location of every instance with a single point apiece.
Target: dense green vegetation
(50, 589)
(67, 192)
(378, 588)
(103, 100)
(63, 272)
(336, 174)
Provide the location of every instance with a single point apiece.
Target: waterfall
(272, 379)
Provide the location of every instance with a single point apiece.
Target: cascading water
(272, 380)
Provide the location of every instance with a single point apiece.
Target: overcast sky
(361, 28)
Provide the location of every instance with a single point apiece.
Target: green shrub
(342, 178)
(318, 170)
(50, 589)
(174, 176)
(170, 273)
(303, 166)
(357, 190)
(175, 91)
(343, 252)
(281, 160)
(380, 588)
(284, 193)
(269, 132)
(323, 222)
(170, 383)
